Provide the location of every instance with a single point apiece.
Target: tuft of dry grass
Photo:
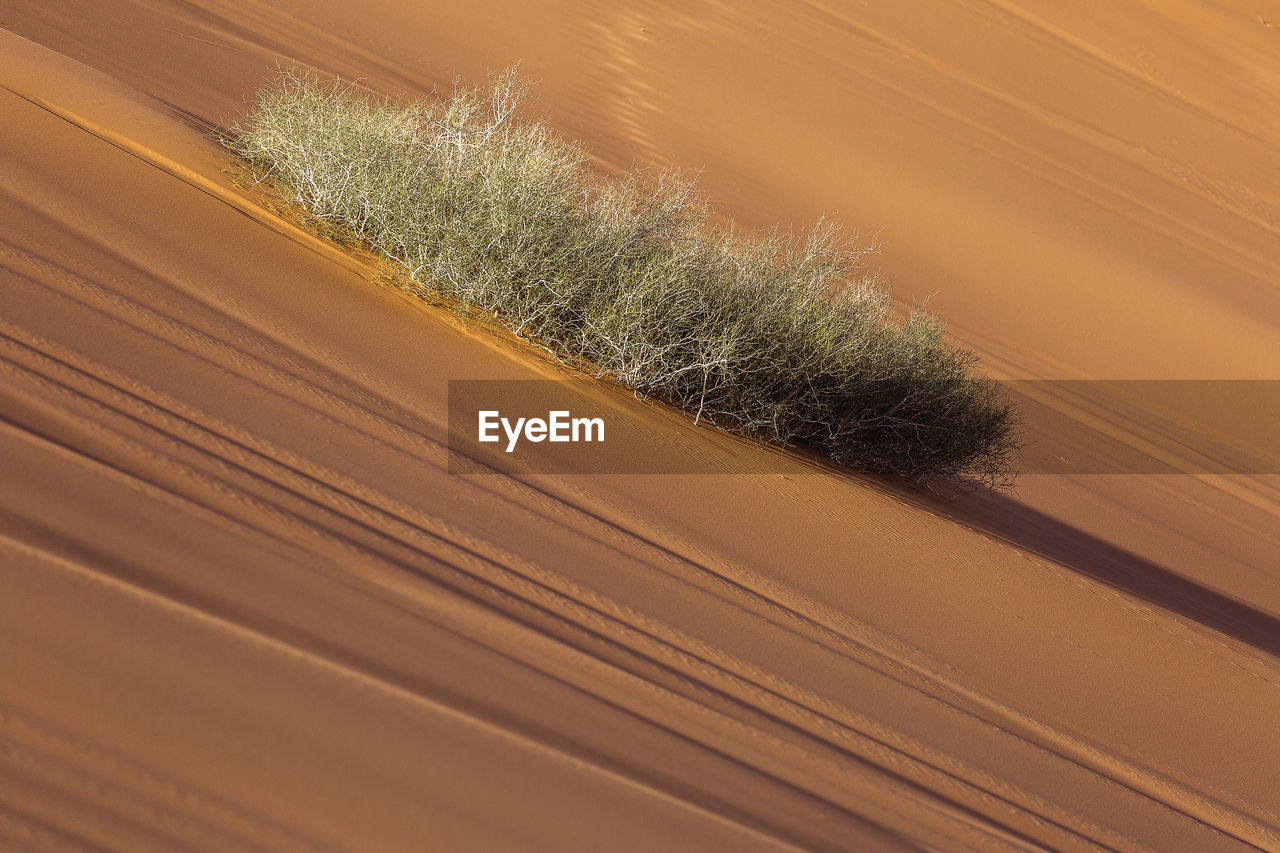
(786, 339)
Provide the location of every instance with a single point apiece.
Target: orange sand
(245, 606)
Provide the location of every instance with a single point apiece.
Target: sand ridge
(247, 606)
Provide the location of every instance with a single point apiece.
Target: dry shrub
(782, 338)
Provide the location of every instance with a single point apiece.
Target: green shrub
(785, 339)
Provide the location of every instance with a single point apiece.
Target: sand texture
(244, 605)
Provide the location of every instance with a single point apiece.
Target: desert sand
(245, 605)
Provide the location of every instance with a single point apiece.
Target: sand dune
(246, 606)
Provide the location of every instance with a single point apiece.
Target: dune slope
(246, 605)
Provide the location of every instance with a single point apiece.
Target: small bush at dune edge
(781, 338)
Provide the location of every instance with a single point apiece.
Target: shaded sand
(245, 605)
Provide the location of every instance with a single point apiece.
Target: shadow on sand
(1006, 519)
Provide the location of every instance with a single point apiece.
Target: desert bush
(784, 338)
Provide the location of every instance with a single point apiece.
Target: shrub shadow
(1006, 519)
